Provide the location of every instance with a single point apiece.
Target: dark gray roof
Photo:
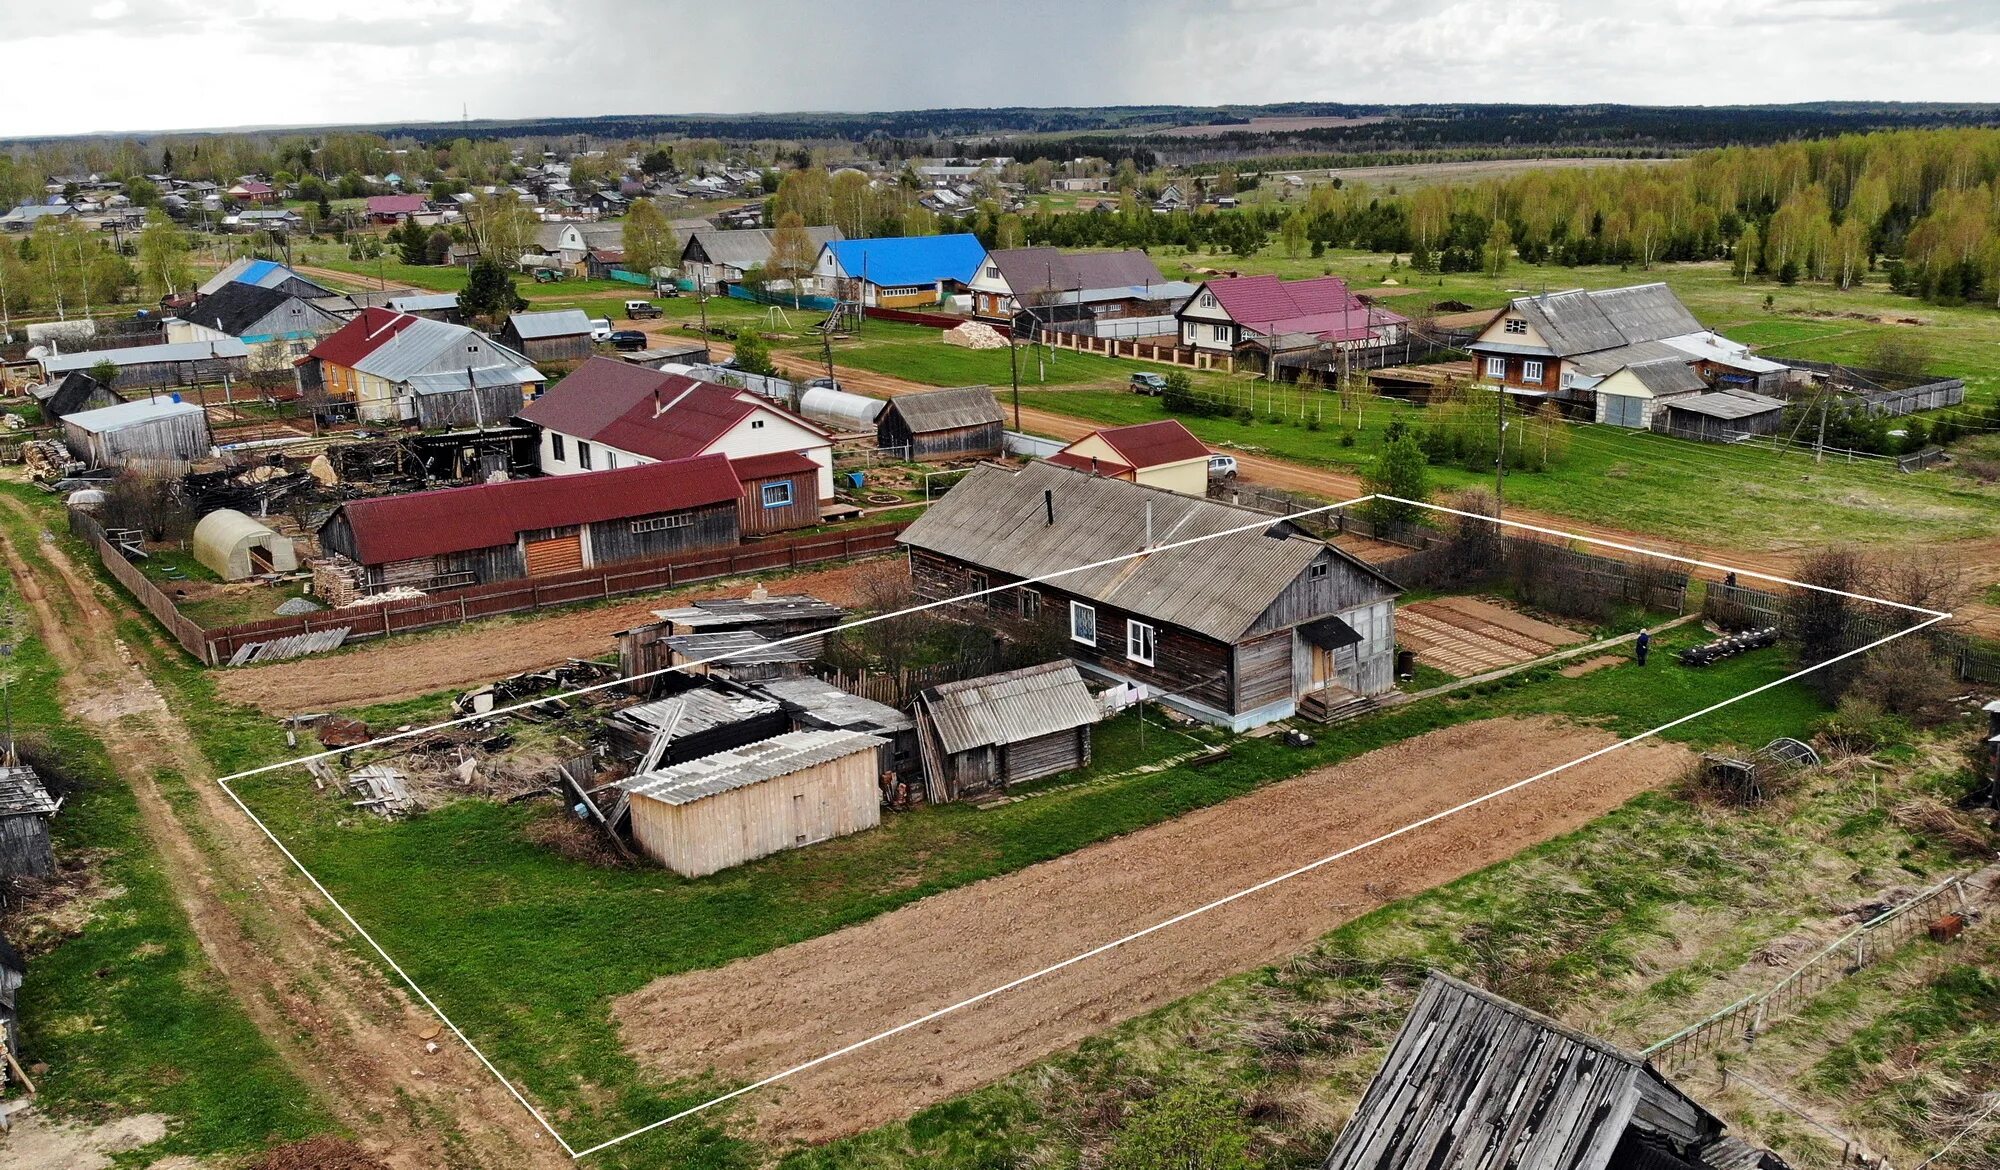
(734, 612)
(21, 792)
(1010, 707)
(695, 711)
(734, 646)
(1474, 1081)
(1606, 362)
(1219, 587)
(1031, 271)
(1668, 376)
(822, 704)
(234, 307)
(742, 767)
(1579, 321)
(1728, 404)
(947, 410)
(747, 248)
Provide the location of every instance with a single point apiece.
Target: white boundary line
(1932, 617)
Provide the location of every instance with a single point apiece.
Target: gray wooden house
(159, 367)
(981, 735)
(959, 422)
(1254, 623)
(162, 433)
(25, 809)
(537, 527)
(1475, 1081)
(558, 335)
(73, 393)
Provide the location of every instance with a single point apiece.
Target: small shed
(25, 809)
(1721, 417)
(75, 392)
(235, 546)
(791, 790)
(780, 492)
(772, 617)
(558, 335)
(145, 367)
(697, 722)
(816, 703)
(164, 433)
(960, 422)
(737, 654)
(839, 409)
(983, 734)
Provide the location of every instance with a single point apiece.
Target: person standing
(1642, 645)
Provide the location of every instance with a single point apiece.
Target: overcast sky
(111, 65)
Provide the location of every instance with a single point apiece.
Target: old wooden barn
(960, 422)
(166, 434)
(25, 809)
(697, 722)
(780, 492)
(815, 704)
(1475, 1081)
(796, 789)
(537, 527)
(559, 335)
(159, 367)
(981, 735)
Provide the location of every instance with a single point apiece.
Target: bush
(1400, 470)
(1907, 679)
(753, 354)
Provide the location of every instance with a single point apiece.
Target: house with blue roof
(898, 272)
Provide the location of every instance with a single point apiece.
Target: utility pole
(1819, 447)
(1014, 363)
(1500, 454)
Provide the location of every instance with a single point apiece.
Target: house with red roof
(1161, 454)
(609, 413)
(1291, 321)
(537, 527)
(396, 366)
(395, 208)
(253, 191)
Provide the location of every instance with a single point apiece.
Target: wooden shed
(163, 433)
(780, 492)
(699, 721)
(25, 809)
(796, 789)
(815, 703)
(960, 422)
(983, 734)
(558, 335)
(1723, 416)
(13, 971)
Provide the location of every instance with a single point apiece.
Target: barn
(537, 527)
(960, 422)
(558, 335)
(25, 809)
(796, 789)
(155, 367)
(780, 492)
(234, 546)
(1722, 416)
(982, 735)
(163, 433)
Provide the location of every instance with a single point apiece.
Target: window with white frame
(777, 495)
(611, 460)
(1140, 641)
(1516, 325)
(1082, 623)
(662, 523)
(1496, 367)
(1531, 371)
(1219, 332)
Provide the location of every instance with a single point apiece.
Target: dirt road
(350, 1036)
(763, 1014)
(401, 668)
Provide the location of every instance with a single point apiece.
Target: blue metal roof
(256, 271)
(910, 259)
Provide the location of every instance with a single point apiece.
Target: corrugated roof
(1714, 347)
(1605, 362)
(395, 204)
(742, 767)
(423, 524)
(424, 302)
(395, 346)
(948, 409)
(910, 260)
(237, 306)
(734, 646)
(553, 323)
(1041, 271)
(1218, 587)
(1322, 306)
(827, 706)
(141, 355)
(130, 414)
(743, 611)
(620, 405)
(22, 792)
(747, 248)
(1580, 321)
(1010, 707)
(1668, 376)
(369, 330)
(1723, 404)
(692, 712)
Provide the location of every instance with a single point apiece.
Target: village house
(556, 335)
(399, 367)
(162, 434)
(252, 191)
(393, 209)
(1082, 292)
(1163, 454)
(1473, 1081)
(572, 243)
(263, 274)
(25, 217)
(537, 527)
(1562, 347)
(276, 325)
(1276, 320)
(609, 413)
(713, 259)
(436, 306)
(898, 272)
(960, 422)
(792, 790)
(980, 735)
(282, 220)
(1254, 624)
(154, 367)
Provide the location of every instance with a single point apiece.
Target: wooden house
(1224, 613)
(1473, 1081)
(395, 209)
(980, 735)
(164, 434)
(962, 422)
(780, 492)
(559, 335)
(273, 323)
(400, 367)
(25, 809)
(159, 367)
(713, 259)
(1273, 320)
(536, 527)
(900, 272)
(1124, 292)
(1163, 454)
(796, 789)
(74, 392)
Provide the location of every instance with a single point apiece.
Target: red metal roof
(1109, 468)
(647, 412)
(1323, 305)
(1155, 443)
(395, 204)
(424, 524)
(369, 331)
(773, 465)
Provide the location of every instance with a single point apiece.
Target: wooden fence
(1145, 351)
(184, 629)
(1739, 607)
(1567, 581)
(897, 688)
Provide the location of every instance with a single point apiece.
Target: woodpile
(338, 580)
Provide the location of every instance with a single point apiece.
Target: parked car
(600, 329)
(1222, 467)
(822, 384)
(1152, 384)
(642, 310)
(630, 340)
(547, 276)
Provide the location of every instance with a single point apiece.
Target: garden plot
(1466, 636)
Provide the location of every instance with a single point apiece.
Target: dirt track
(402, 668)
(347, 1034)
(758, 1016)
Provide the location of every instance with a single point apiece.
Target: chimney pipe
(1049, 503)
(1149, 526)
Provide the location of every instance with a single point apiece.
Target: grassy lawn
(122, 1005)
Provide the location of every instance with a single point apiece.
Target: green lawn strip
(127, 1013)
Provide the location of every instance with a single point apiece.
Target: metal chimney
(1049, 503)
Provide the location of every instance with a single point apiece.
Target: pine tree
(489, 293)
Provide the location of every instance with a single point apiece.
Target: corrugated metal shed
(143, 355)
(742, 767)
(554, 323)
(696, 711)
(948, 409)
(733, 646)
(1671, 376)
(1728, 404)
(829, 706)
(106, 419)
(1010, 707)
